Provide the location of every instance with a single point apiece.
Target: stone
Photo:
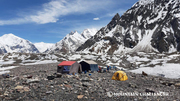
(36, 80)
(170, 83)
(24, 76)
(132, 85)
(65, 82)
(75, 91)
(49, 92)
(29, 76)
(50, 77)
(85, 79)
(58, 75)
(148, 90)
(15, 78)
(76, 85)
(26, 89)
(19, 87)
(86, 84)
(6, 93)
(177, 84)
(68, 86)
(163, 82)
(145, 74)
(80, 96)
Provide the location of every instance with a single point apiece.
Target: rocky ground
(41, 83)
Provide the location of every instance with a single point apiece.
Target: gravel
(41, 83)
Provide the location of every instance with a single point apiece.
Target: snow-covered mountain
(72, 41)
(10, 43)
(149, 25)
(42, 47)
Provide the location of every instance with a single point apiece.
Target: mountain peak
(145, 1)
(116, 17)
(12, 43)
(9, 35)
(115, 20)
(73, 32)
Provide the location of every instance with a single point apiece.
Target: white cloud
(15, 21)
(96, 18)
(51, 11)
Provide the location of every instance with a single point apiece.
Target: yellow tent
(120, 75)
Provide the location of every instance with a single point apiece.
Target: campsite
(42, 82)
(90, 50)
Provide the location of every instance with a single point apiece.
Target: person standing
(100, 69)
(107, 68)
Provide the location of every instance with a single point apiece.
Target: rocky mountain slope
(149, 25)
(10, 43)
(72, 41)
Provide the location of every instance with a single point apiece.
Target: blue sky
(50, 20)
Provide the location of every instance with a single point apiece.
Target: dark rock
(50, 77)
(148, 90)
(145, 74)
(170, 83)
(29, 76)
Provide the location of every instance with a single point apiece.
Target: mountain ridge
(72, 41)
(157, 21)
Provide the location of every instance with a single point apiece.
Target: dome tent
(120, 75)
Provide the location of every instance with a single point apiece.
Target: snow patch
(169, 70)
